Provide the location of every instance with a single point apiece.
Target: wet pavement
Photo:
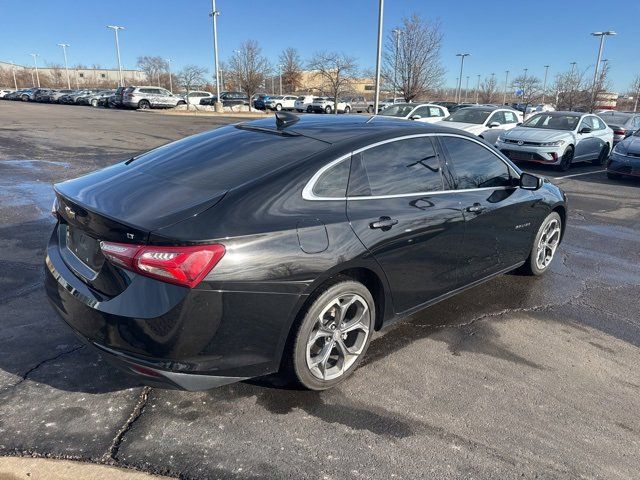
(521, 376)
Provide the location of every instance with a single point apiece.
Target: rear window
(226, 157)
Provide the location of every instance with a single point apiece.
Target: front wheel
(567, 158)
(327, 109)
(544, 245)
(94, 103)
(347, 110)
(309, 109)
(369, 109)
(333, 336)
(278, 107)
(603, 156)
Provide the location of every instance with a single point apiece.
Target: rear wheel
(309, 109)
(181, 102)
(603, 156)
(333, 336)
(94, 103)
(278, 107)
(567, 158)
(369, 109)
(347, 109)
(327, 109)
(544, 245)
(144, 104)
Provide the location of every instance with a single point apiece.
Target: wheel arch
(562, 211)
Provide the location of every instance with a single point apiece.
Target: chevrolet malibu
(558, 138)
(625, 158)
(283, 245)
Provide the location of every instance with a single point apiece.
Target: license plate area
(80, 251)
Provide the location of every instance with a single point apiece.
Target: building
(56, 77)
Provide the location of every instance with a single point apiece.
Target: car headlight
(500, 138)
(557, 143)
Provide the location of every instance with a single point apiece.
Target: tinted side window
(497, 117)
(333, 182)
(405, 166)
(510, 117)
(475, 166)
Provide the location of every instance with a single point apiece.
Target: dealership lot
(519, 376)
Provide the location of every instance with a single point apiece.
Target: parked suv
(150, 97)
(360, 104)
(303, 103)
(325, 105)
(281, 102)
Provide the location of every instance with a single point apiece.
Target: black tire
(144, 105)
(347, 110)
(603, 156)
(309, 109)
(25, 98)
(295, 361)
(613, 176)
(369, 109)
(328, 109)
(278, 107)
(181, 102)
(94, 103)
(532, 266)
(567, 158)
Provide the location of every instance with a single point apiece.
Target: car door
(500, 218)
(398, 207)
(586, 143)
(601, 133)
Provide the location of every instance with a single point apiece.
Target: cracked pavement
(521, 376)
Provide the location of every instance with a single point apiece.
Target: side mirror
(518, 124)
(530, 182)
(494, 124)
(415, 117)
(585, 130)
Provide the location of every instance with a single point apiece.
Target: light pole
(115, 29)
(66, 65)
(524, 87)
(376, 98)
(573, 67)
(544, 83)
(15, 82)
(36, 55)
(459, 93)
(170, 79)
(478, 89)
(280, 78)
(595, 73)
(214, 15)
(506, 81)
(397, 33)
(466, 89)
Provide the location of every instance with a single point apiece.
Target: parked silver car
(150, 97)
(558, 138)
(623, 124)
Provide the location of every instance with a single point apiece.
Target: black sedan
(625, 158)
(281, 245)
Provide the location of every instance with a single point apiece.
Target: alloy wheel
(338, 337)
(548, 243)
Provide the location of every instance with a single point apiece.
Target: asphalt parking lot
(520, 377)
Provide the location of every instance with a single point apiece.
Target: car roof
(562, 113)
(344, 128)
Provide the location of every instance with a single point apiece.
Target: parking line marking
(579, 174)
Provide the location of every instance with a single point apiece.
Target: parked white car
(326, 105)
(390, 101)
(3, 93)
(485, 121)
(420, 112)
(281, 102)
(533, 109)
(559, 138)
(194, 97)
(303, 103)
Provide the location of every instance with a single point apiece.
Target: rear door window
(401, 167)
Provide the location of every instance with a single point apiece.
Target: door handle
(384, 223)
(476, 208)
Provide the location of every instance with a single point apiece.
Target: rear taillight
(619, 132)
(185, 266)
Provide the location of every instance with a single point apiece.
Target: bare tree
(153, 67)
(249, 68)
(529, 86)
(190, 77)
(411, 62)
(602, 85)
(635, 91)
(488, 90)
(336, 71)
(571, 90)
(291, 66)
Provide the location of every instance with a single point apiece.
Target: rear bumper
(173, 336)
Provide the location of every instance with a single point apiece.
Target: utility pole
(15, 82)
(66, 64)
(459, 93)
(280, 78)
(466, 89)
(506, 81)
(115, 29)
(397, 33)
(36, 55)
(595, 73)
(376, 99)
(170, 79)
(544, 84)
(214, 15)
(478, 89)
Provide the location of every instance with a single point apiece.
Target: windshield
(397, 110)
(469, 115)
(553, 122)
